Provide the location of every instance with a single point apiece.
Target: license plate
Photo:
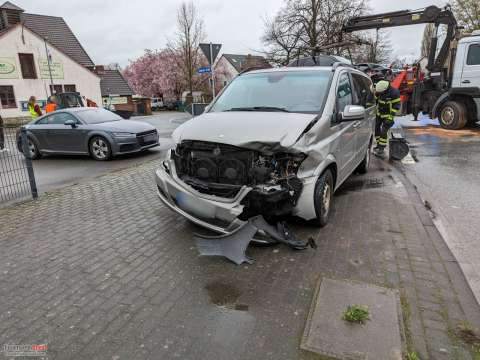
(148, 138)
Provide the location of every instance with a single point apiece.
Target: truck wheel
(453, 115)
(323, 198)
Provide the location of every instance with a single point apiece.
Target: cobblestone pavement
(102, 270)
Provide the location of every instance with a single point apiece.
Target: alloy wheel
(326, 198)
(31, 148)
(100, 148)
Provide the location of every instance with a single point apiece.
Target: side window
(344, 92)
(42, 121)
(363, 91)
(60, 118)
(473, 57)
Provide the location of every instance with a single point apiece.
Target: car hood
(125, 125)
(253, 130)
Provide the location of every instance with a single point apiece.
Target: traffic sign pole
(212, 72)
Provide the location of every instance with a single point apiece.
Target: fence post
(28, 161)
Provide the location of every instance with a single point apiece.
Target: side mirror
(352, 113)
(71, 123)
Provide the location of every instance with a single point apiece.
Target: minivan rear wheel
(323, 197)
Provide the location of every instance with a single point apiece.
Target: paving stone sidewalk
(103, 270)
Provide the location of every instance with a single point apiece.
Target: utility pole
(49, 67)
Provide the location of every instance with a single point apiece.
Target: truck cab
(460, 105)
(466, 73)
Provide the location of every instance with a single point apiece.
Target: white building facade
(24, 71)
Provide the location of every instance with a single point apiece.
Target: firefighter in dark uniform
(388, 104)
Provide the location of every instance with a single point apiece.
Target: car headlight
(123, 135)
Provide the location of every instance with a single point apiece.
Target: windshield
(97, 116)
(292, 91)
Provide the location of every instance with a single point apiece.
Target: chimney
(10, 14)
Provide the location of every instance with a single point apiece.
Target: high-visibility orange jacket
(50, 108)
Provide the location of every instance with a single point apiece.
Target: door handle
(466, 82)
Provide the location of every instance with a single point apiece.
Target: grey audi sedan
(87, 131)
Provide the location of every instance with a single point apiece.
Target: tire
(453, 115)
(323, 198)
(100, 149)
(34, 153)
(365, 164)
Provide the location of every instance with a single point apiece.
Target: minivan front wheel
(323, 197)
(365, 164)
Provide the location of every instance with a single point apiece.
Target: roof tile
(112, 82)
(58, 33)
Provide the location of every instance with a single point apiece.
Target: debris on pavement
(233, 245)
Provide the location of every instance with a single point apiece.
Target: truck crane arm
(428, 15)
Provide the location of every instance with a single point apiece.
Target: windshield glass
(292, 91)
(97, 116)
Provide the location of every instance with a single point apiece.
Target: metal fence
(17, 179)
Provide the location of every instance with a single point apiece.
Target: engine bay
(222, 170)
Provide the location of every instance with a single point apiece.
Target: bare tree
(467, 13)
(374, 47)
(428, 33)
(281, 39)
(189, 35)
(305, 27)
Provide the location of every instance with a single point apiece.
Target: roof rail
(339, 63)
(252, 68)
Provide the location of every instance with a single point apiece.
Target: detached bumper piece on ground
(233, 245)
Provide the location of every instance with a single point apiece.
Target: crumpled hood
(248, 129)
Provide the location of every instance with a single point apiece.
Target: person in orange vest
(33, 108)
(51, 104)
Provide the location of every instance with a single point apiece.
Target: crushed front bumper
(211, 212)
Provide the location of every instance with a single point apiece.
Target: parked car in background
(157, 104)
(87, 131)
(275, 142)
(375, 71)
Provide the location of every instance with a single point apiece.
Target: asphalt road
(447, 176)
(53, 172)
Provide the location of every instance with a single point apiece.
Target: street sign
(212, 53)
(204, 70)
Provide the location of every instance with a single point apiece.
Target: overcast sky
(119, 30)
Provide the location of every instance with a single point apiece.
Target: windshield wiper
(259, 108)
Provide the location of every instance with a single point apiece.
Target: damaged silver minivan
(275, 142)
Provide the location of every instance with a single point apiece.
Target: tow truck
(450, 90)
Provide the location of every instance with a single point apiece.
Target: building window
(28, 66)
(7, 97)
(56, 89)
(69, 88)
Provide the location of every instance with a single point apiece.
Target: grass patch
(467, 334)
(356, 314)
(412, 355)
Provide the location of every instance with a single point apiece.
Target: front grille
(147, 137)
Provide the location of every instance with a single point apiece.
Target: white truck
(451, 90)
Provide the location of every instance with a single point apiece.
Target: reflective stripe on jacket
(388, 104)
